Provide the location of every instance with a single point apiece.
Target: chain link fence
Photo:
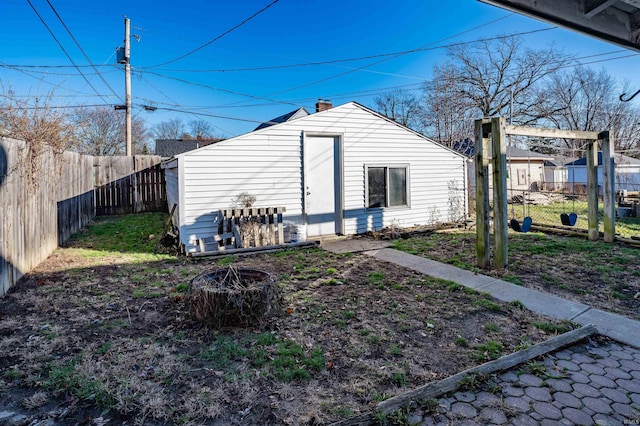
(547, 207)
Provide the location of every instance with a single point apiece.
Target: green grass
(223, 350)
(550, 214)
(66, 377)
(285, 360)
(492, 327)
(516, 304)
(462, 342)
(489, 304)
(399, 379)
(124, 234)
(489, 350)
(395, 350)
(146, 294)
(376, 277)
(105, 348)
(13, 374)
(343, 411)
(552, 328)
(182, 287)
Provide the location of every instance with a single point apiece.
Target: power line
(64, 50)
(231, 92)
(390, 57)
(361, 58)
(42, 80)
(219, 36)
(57, 66)
(81, 49)
(65, 106)
(225, 117)
(298, 101)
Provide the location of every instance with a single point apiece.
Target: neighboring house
(627, 172)
(525, 170)
(166, 148)
(555, 174)
(344, 170)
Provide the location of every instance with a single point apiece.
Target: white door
(322, 189)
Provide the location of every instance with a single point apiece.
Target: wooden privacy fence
(244, 228)
(48, 198)
(129, 185)
(74, 194)
(28, 215)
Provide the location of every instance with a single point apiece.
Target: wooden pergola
(490, 141)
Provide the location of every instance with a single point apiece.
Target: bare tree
(38, 124)
(488, 78)
(101, 131)
(500, 77)
(586, 99)
(171, 129)
(201, 128)
(400, 106)
(448, 116)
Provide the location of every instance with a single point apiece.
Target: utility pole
(127, 84)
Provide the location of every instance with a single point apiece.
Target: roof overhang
(616, 21)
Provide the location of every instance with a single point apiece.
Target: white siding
(627, 176)
(268, 164)
(171, 178)
(264, 163)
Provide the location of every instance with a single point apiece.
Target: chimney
(323, 105)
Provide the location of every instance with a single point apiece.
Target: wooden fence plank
(129, 185)
(70, 189)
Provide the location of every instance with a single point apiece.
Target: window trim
(387, 166)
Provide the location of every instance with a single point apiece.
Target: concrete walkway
(615, 326)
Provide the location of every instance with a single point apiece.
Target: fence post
(608, 186)
(592, 189)
(482, 130)
(500, 230)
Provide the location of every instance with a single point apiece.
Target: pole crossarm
(551, 133)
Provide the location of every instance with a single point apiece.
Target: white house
(627, 172)
(343, 170)
(526, 170)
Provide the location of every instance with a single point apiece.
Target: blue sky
(222, 83)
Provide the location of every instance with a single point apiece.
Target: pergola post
(592, 189)
(482, 130)
(608, 186)
(500, 208)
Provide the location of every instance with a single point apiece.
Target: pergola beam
(550, 133)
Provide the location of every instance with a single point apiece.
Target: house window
(387, 186)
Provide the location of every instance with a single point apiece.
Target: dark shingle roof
(300, 112)
(171, 147)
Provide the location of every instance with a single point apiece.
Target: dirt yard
(100, 332)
